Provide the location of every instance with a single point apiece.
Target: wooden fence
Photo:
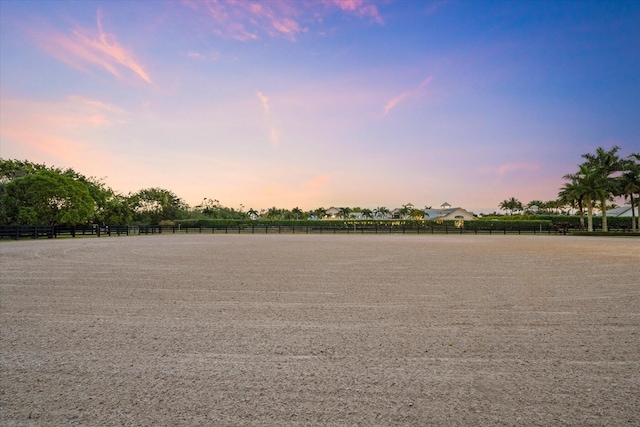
(353, 229)
(38, 231)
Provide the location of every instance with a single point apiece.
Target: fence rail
(353, 229)
(38, 231)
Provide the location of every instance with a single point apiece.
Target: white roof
(621, 211)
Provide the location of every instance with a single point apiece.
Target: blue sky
(321, 103)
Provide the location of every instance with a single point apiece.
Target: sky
(320, 103)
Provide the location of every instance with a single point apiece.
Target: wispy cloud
(264, 100)
(82, 47)
(432, 8)
(361, 8)
(274, 135)
(246, 20)
(418, 91)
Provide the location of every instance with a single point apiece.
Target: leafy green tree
(152, 205)
(47, 197)
(116, 210)
(109, 207)
(13, 169)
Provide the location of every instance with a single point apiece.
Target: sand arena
(320, 330)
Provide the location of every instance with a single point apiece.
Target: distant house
(332, 213)
(621, 211)
(448, 214)
(397, 212)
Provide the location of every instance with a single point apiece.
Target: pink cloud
(90, 47)
(274, 135)
(395, 101)
(361, 8)
(264, 100)
(246, 20)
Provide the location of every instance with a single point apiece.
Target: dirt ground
(320, 330)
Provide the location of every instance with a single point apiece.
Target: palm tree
(320, 213)
(591, 184)
(274, 213)
(367, 213)
(296, 212)
(605, 164)
(381, 212)
(417, 214)
(511, 205)
(573, 194)
(630, 184)
(344, 212)
(405, 210)
(539, 206)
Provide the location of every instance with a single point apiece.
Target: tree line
(600, 178)
(35, 194)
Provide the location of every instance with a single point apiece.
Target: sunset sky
(321, 103)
